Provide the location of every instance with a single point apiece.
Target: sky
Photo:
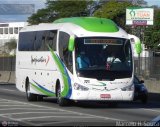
(38, 4)
(153, 2)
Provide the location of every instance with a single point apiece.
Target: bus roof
(92, 24)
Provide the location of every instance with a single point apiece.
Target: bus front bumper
(114, 95)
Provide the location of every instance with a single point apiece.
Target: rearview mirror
(71, 43)
(134, 39)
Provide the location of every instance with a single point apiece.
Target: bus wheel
(39, 98)
(60, 100)
(30, 96)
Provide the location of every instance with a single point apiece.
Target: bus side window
(38, 41)
(65, 54)
(47, 38)
(51, 39)
(26, 41)
(42, 40)
(31, 41)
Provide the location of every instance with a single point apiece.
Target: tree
(59, 9)
(11, 45)
(114, 10)
(152, 33)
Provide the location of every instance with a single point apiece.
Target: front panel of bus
(104, 69)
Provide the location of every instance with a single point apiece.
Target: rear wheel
(30, 96)
(39, 98)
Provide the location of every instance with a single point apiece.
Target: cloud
(38, 4)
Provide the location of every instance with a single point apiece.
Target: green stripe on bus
(42, 91)
(62, 70)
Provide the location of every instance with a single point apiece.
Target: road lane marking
(12, 105)
(57, 113)
(23, 108)
(58, 109)
(151, 110)
(6, 102)
(8, 90)
(51, 123)
(42, 117)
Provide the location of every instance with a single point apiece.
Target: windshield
(103, 58)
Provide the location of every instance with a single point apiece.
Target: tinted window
(64, 53)
(26, 41)
(63, 44)
(104, 58)
(37, 40)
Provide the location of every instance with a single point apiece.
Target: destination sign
(103, 41)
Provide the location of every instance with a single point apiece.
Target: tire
(30, 96)
(39, 98)
(60, 100)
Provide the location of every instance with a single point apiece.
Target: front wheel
(60, 100)
(30, 96)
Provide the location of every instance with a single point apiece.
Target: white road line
(4, 102)
(7, 90)
(22, 108)
(42, 117)
(57, 113)
(51, 123)
(58, 109)
(12, 105)
(151, 110)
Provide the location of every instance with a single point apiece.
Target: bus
(77, 59)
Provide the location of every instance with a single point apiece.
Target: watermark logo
(4, 123)
(17, 9)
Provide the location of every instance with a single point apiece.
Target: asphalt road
(15, 110)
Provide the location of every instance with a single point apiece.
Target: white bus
(79, 58)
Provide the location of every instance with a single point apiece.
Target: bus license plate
(105, 96)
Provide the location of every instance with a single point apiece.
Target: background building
(8, 32)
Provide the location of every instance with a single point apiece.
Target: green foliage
(114, 10)
(12, 44)
(59, 9)
(152, 33)
(42, 15)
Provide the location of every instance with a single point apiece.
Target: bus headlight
(128, 88)
(80, 87)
